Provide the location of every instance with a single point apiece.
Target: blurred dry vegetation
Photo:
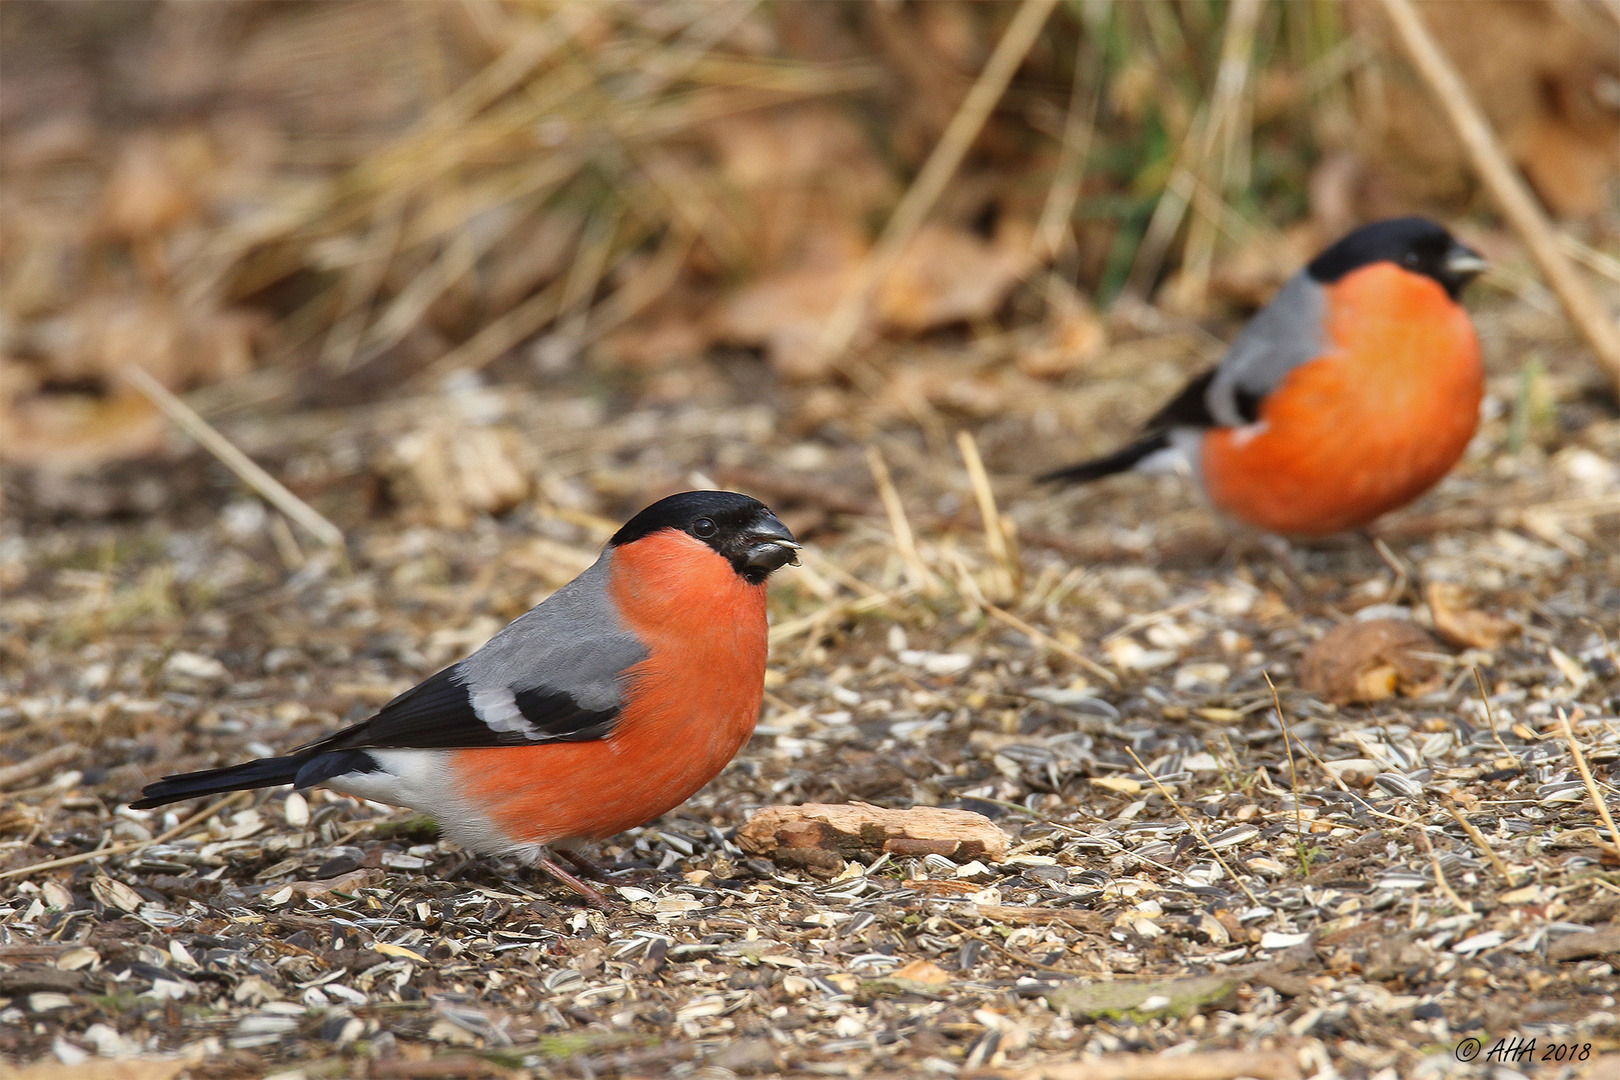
(284, 206)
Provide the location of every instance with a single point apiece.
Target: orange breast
(1364, 429)
(691, 706)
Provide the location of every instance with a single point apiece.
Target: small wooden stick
(1490, 717)
(186, 418)
(584, 865)
(1512, 195)
(39, 763)
(1293, 772)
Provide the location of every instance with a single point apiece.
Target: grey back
(1282, 335)
(574, 643)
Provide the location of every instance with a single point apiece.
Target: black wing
(439, 713)
(1190, 408)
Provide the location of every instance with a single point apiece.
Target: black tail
(1117, 462)
(265, 772)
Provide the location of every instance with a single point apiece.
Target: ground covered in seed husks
(1183, 892)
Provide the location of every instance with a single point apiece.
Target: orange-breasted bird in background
(613, 701)
(1348, 395)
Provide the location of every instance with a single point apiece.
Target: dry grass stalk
(1193, 825)
(936, 172)
(820, 617)
(1506, 186)
(781, 705)
(43, 762)
(1225, 139)
(233, 459)
(995, 528)
(1598, 802)
(131, 845)
(1440, 881)
(1479, 841)
(905, 541)
(819, 563)
(1403, 577)
(501, 334)
(1293, 771)
(1052, 231)
(1593, 259)
(1167, 213)
(286, 544)
(584, 276)
(1046, 640)
(1490, 717)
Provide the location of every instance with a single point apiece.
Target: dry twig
(233, 459)
(42, 762)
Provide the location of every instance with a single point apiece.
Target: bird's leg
(590, 893)
(459, 868)
(584, 865)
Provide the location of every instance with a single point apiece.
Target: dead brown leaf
(947, 275)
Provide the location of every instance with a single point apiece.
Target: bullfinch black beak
(769, 546)
(1463, 262)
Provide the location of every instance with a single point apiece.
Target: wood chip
(1213, 1065)
(826, 834)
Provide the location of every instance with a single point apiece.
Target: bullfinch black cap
(741, 529)
(1412, 243)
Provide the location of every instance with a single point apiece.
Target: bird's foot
(592, 895)
(584, 866)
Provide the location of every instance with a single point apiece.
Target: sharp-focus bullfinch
(1348, 395)
(610, 703)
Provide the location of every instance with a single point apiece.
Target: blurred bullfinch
(1348, 395)
(613, 701)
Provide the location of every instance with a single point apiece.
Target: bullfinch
(1351, 393)
(611, 702)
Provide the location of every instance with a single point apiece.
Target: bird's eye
(1410, 258)
(703, 528)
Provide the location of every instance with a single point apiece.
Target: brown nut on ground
(1371, 661)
